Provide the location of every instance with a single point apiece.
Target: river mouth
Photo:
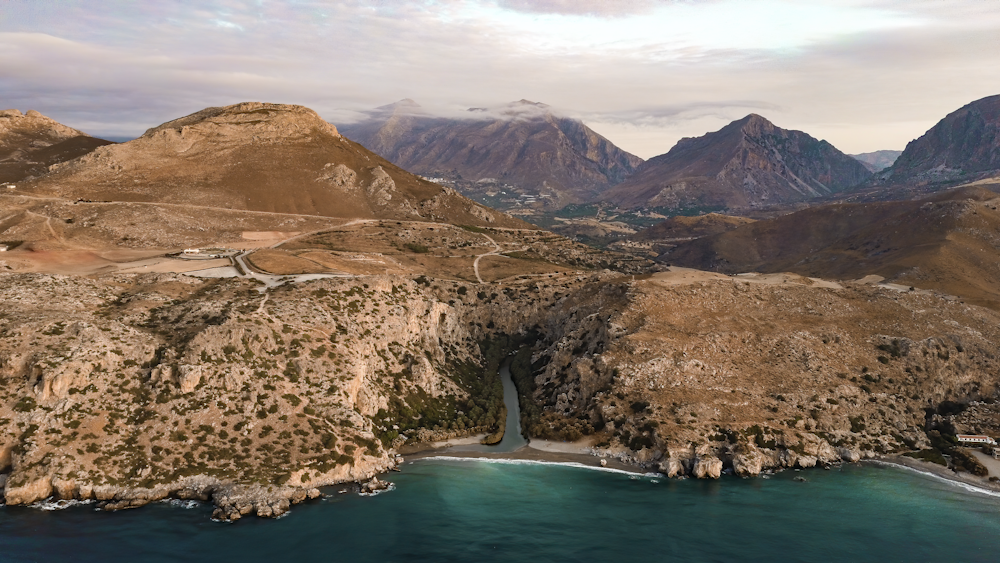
(512, 440)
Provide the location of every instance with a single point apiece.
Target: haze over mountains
(748, 163)
(524, 145)
(878, 160)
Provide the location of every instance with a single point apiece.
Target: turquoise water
(475, 511)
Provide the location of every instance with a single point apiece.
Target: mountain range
(258, 157)
(524, 146)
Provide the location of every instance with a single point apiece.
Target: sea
(451, 508)
(478, 511)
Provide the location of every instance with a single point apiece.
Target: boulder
(748, 461)
(849, 455)
(707, 468)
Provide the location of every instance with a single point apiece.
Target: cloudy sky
(863, 75)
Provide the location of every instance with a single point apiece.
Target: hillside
(258, 157)
(962, 147)
(523, 148)
(746, 164)
(31, 142)
(947, 242)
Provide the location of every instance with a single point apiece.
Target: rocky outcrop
(30, 143)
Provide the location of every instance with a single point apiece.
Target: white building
(3, 248)
(976, 439)
(192, 251)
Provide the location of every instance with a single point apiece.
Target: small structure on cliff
(975, 439)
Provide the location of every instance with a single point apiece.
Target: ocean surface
(452, 510)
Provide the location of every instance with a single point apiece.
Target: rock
(707, 468)
(849, 455)
(604, 463)
(29, 492)
(806, 461)
(748, 461)
(314, 493)
(374, 485)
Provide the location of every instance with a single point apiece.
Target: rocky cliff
(748, 163)
(962, 147)
(134, 388)
(523, 145)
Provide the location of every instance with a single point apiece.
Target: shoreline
(961, 479)
(549, 452)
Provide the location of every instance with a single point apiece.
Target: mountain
(945, 242)
(524, 146)
(259, 157)
(962, 147)
(878, 160)
(30, 143)
(748, 163)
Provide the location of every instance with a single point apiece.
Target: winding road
(495, 251)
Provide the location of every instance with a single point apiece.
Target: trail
(495, 251)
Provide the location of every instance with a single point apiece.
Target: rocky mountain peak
(964, 146)
(259, 120)
(750, 162)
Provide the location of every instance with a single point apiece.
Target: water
(478, 511)
(473, 510)
(512, 439)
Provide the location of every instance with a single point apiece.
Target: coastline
(539, 451)
(965, 480)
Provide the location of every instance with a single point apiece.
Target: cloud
(863, 75)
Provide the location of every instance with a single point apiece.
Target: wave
(182, 503)
(960, 484)
(573, 464)
(60, 504)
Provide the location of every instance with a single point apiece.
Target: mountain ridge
(748, 163)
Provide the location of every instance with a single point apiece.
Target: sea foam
(573, 464)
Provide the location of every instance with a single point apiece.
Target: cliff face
(962, 147)
(138, 387)
(30, 143)
(748, 163)
(259, 157)
(523, 144)
(689, 375)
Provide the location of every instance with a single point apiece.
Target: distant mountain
(962, 147)
(748, 163)
(30, 143)
(523, 145)
(259, 157)
(878, 160)
(946, 241)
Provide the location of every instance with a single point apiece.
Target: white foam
(962, 485)
(60, 504)
(391, 487)
(572, 464)
(182, 503)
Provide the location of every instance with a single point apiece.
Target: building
(975, 439)
(3, 248)
(192, 251)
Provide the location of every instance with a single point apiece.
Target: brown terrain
(130, 373)
(749, 163)
(523, 148)
(30, 143)
(947, 242)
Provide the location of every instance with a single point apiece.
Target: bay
(468, 510)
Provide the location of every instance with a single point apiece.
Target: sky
(864, 75)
